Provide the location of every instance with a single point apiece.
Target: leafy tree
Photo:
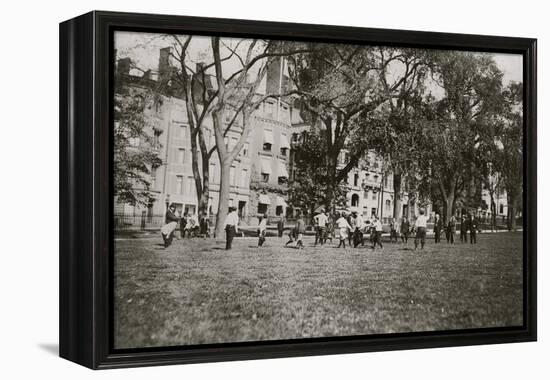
(455, 125)
(390, 130)
(339, 86)
(512, 150)
(307, 189)
(134, 147)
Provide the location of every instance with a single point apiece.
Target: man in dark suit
(405, 229)
(464, 229)
(438, 226)
(473, 229)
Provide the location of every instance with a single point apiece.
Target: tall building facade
(259, 175)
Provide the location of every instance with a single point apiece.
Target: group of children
(352, 228)
(188, 224)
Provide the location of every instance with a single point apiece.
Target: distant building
(259, 175)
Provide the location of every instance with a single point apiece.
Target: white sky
(143, 49)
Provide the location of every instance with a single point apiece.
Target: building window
(153, 177)
(284, 144)
(282, 173)
(265, 169)
(246, 147)
(191, 186)
(181, 131)
(355, 200)
(373, 195)
(181, 156)
(373, 211)
(356, 179)
(279, 210)
(232, 176)
(232, 143)
(262, 208)
(179, 184)
(388, 205)
(211, 172)
(268, 140)
(156, 138)
(244, 177)
(269, 110)
(501, 208)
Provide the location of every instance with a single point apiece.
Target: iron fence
(136, 222)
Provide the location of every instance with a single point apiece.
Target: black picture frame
(86, 53)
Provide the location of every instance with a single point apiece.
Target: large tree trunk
(397, 194)
(448, 194)
(205, 158)
(223, 203)
(332, 184)
(449, 206)
(203, 198)
(511, 212)
(201, 182)
(195, 164)
(493, 211)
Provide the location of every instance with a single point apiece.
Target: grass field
(195, 292)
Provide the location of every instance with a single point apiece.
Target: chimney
(207, 79)
(273, 76)
(123, 66)
(165, 63)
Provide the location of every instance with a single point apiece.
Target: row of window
(388, 180)
(270, 111)
(185, 185)
(355, 200)
(267, 144)
(230, 142)
(241, 180)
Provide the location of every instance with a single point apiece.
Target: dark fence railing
(136, 222)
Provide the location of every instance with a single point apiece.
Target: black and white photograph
(272, 190)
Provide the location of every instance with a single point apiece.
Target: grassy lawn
(195, 292)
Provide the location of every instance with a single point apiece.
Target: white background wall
(29, 191)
